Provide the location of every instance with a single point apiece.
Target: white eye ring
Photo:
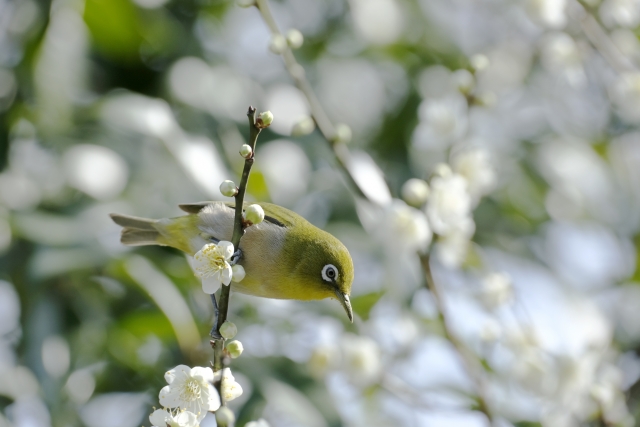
(327, 270)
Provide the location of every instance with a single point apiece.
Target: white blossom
(407, 226)
(324, 358)
(449, 205)
(475, 165)
(442, 121)
(211, 265)
(415, 192)
(624, 13)
(259, 423)
(190, 389)
(550, 13)
(560, 54)
(230, 388)
(496, 290)
(164, 418)
(452, 248)
(361, 359)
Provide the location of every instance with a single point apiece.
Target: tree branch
(469, 361)
(326, 127)
(601, 41)
(238, 232)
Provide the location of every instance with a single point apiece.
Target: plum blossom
(230, 388)
(407, 225)
(361, 359)
(449, 205)
(475, 165)
(442, 121)
(211, 264)
(496, 290)
(190, 389)
(164, 418)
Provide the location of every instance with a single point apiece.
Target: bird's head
(324, 268)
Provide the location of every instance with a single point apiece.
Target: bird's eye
(329, 273)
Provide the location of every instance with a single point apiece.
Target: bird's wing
(194, 208)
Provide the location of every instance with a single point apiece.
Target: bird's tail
(137, 231)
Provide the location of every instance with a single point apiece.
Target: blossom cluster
(190, 395)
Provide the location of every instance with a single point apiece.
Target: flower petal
(206, 374)
(227, 274)
(159, 418)
(210, 285)
(226, 249)
(187, 419)
(169, 397)
(180, 372)
(213, 401)
(231, 390)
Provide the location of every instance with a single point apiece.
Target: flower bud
(265, 119)
(294, 38)
(254, 214)
(228, 188)
(443, 170)
(245, 3)
(278, 44)
(304, 126)
(246, 151)
(415, 192)
(343, 133)
(479, 62)
(225, 417)
(228, 330)
(464, 80)
(237, 273)
(235, 349)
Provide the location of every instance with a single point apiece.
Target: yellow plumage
(284, 257)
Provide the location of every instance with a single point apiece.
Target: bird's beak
(346, 304)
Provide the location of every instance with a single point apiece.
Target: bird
(284, 256)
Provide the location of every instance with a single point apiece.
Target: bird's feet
(236, 256)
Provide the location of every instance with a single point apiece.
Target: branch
(469, 361)
(601, 41)
(296, 71)
(238, 232)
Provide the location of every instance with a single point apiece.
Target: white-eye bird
(284, 256)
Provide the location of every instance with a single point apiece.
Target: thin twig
(470, 362)
(238, 232)
(601, 41)
(326, 127)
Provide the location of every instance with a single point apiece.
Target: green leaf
(114, 27)
(362, 304)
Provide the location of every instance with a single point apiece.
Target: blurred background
(135, 106)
